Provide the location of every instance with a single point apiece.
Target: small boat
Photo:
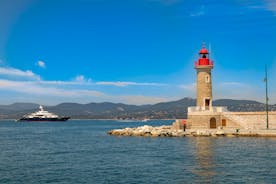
(145, 120)
(42, 115)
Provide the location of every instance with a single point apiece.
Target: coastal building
(206, 116)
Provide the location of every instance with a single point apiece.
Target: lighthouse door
(207, 104)
(213, 123)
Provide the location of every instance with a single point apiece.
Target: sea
(81, 151)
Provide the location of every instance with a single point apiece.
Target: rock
(169, 131)
(220, 133)
(155, 133)
(230, 135)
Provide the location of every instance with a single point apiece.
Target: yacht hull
(44, 119)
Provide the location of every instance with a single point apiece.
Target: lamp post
(266, 99)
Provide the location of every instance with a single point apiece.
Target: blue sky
(135, 52)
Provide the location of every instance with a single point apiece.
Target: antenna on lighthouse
(210, 51)
(203, 45)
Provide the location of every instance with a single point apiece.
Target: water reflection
(204, 160)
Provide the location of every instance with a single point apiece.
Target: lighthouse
(205, 116)
(204, 68)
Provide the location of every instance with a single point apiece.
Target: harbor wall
(230, 120)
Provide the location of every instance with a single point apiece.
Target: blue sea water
(81, 152)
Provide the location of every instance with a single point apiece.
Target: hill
(107, 110)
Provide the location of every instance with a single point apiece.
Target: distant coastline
(112, 111)
(134, 120)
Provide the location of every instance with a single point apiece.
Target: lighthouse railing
(210, 109)
(197, 64)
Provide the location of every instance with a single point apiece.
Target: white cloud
(238, 91)
(82, 79)
(34, 88)
(199, 12)
(188, 87)
(233, 84)
(13, 72)
(17, 74)
(93, 93)
(141, 99)
(268, 5)
(41, 64)
(124, 84)
(271, 5)
(18, 81)
(58, 82)
(78, 80)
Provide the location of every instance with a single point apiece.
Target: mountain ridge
(108, 110)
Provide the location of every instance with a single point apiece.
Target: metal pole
(266, 98)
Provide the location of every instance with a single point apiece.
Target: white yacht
(145, 120)
(42, 115)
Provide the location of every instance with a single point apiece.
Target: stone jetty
(170, 131)
(149, 131)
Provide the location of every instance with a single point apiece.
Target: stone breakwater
(149, 131)
(169, 131)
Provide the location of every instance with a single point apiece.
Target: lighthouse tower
(204, 80)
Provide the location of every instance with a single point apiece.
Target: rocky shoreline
(170, 131)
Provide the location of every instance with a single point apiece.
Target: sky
(134, 51)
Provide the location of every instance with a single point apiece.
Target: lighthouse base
(221, 118)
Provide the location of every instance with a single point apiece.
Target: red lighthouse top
(203, 51)
(204, 60)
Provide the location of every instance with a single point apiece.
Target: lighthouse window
(207, 79)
